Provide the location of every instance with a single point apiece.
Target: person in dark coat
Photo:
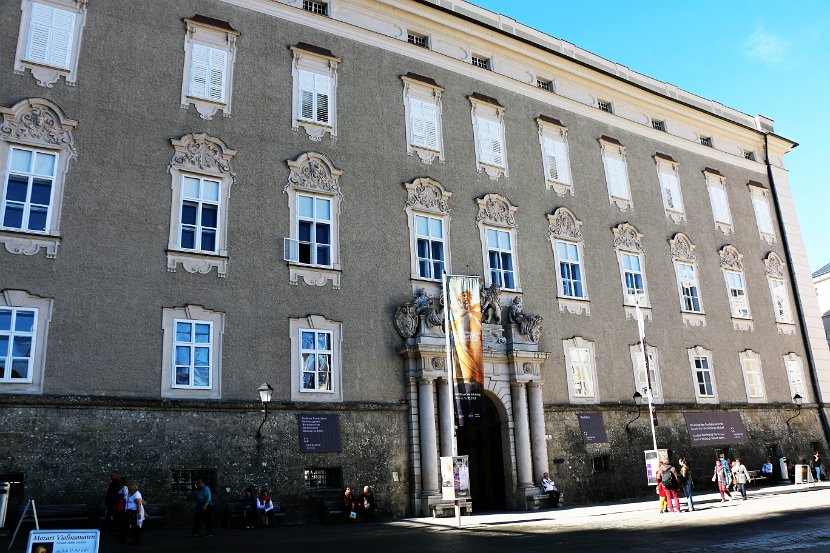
(368, 504)
(110, 501)
(249, 508)
(349, 503)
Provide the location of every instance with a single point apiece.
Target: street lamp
(265, 392)
(638, 400)
(797, 399)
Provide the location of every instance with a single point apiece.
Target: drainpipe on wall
(801, 319)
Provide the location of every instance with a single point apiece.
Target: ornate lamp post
(265, 392)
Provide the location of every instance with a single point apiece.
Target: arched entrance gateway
(508, 450)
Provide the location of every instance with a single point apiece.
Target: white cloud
(766, 47)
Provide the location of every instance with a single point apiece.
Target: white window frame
(668, 177)
(607, 104)
(316, 323)
(192, 345)
(427, 94)
(55, 136)
(312, 174)
(753, 376)
(23, 300)
(638, 366)
(316, 351)
(579, 343)
(489, 115)
(207, 157)
(325, 66)
(683, 254)
(702, 353)
(30, 175)
(44, 73)
(794, 368)
(497, 213)
(428, 198)
(716, 186)
(732, 263)
(216, 39)
(316, 7)
(565, 228)
(628, 241)
(553, 140)
(420, 36)
(776, 271)
(487, 61)
(760, 198)
(195, 314)
(616, 172)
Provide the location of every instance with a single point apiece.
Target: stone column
(445, 417)
(429, 446)
(521, 434)
(538, 436)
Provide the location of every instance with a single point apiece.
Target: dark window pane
(438, 268)
(438, 251)
(17, 188)
(494, 260)
(188, 238)
(209, 216)
(423, 248)
(323, 234)
(189, 213)
(304, 253)
(41, 191)
(14, 216)
(323, 257)
(208, 240)
(423, 268)
(508, 279)
(507, 261)
(304, 234)
(37, 218)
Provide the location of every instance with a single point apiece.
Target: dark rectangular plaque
(715, 428)
(319, 433)
(592, 428)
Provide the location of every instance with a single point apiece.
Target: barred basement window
(706, 141)
(659, 125)
(544, 85)
(749, 155)
(604, 105)
(418, 40)
(479, 61)
(316, 7)
(601, 463)
(185, 481)
(323, 478)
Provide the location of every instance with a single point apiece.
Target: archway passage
(482, 441)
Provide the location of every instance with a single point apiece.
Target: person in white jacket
(741, 477)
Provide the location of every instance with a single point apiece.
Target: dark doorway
(482, 442)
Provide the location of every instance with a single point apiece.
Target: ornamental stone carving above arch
(496, 210)
(775, 267)
(627, 237)
(314, 172)
(40, 123)
(425, 194)
(202, 153)
(731, 258)
(564, 224)
(681, 248)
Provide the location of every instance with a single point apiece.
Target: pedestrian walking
(723, 477)
(669, 477)
(112, 502)
(203, 513)
(741, 477)
(134, 514)
(687, 483)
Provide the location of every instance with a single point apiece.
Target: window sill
(195, 262)
(707, 400)
(574, 306)
(725, 228)
(561, 188)
(46, 75)
(676, 216)
(768, 238)
(207, 108)
(579, 400)
(315, 131)
(314, 275)
(743, 324)
(492, 171)
(785, 328)
(191, 393)
(30, 243)
(631, 312)
(692, 318)
(426, 155)
(621, 203)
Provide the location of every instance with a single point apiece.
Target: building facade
(821, 278)
(197, 197)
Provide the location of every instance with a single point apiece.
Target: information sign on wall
(592, 427)
(319, 433)
(715, 428)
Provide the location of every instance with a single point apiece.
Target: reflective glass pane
(4, 347)
(504, 240)
(323, 234)
(492, 238)
(323, 341)
(323, 209)
(13, 217)
(308, 381)
(37, 218)
(209, 215)
(208, 241)
(189, 212)
(423, 268)
(436, 228)
(210, 190)
(201, 377)
(508, 280)
(5, 319)
(421, 226)
(304, 228)
(44, 164)
(182, 355)
(493, 259)
(423, 248)
(201, 357)
(2, 367)
(22, 346)
(41, 191)
(188, 238)
(323, 257)
(190, 188)
(305, 206)
(307, 340)
(183, 332)
(437, 251)
(24, 321)
(20, 368)
(182, 376)
(202, 333)
(507, 261)
(438, 269)
(17, 188)
(21, 160)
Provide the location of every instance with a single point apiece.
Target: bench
(333, 507)
(757, 478)
(447, 508)
(538, 502)
(152, 513)
(77, 513)
(233, 511)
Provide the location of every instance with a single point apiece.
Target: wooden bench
(757, 478)
(74, 513)
(233, 510)
(333, 508)
(153, 514)
(447, 508)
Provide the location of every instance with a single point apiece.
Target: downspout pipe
(799, 309)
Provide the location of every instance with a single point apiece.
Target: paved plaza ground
(774, 518)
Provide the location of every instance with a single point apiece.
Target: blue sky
(762, 57)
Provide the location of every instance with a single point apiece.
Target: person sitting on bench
(549, 487)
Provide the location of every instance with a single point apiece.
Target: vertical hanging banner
(464, 316)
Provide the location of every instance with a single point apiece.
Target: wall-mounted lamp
(797, 399)
(265, 392)
(638, 400)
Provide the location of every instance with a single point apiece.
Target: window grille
(484, 63)
(544, 85)
(316, 7)
(184, 481)
(323, 478)
(605, 106)
(659, 125)
(706, 141)
(417, 40)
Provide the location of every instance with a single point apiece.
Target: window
(776, 275)
(323, 478)
(497, 229)
(706, 141)
(716, 184)
(314, 90)
(186, 481)
(210, 52)
(321, 8)
(544, 84)
(628, 244)
(581, 368)
(553, 138)
(315, 360)
(641, 381)
(749, 154)
(703, 378)
(616, 172)
(312, 248)
(668, 175)
(481, 61)
(192, 353)
(760, 204)
(753, 377)
(658, 125)
(24, 324)
(685, 269)
(417, 39)
(605, 105)
(49, 39)
(795, 375)
(565, 232)
(488, 129)
(737, 294)
(422, 108)
(733, 273)
(33, 166)
(428, 218)
(202, 180)
(601, 463)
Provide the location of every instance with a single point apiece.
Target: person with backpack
(668, 476)
(661, 492)
(723, 477)
(687, 483)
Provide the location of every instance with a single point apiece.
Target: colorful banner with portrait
(464, 315)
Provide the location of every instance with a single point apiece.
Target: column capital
(426, 379)
(535, 384)
(517, 385)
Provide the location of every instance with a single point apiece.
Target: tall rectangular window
(199, 219)
(50, 36)
(752, 377)
(687, 280)
(208, 73)
(795, 375)
(27, 193)
(429, 236)
(490, 141)
(703, 376)
(192, 354)
(737, 294)
(500, 258)
(581, 373)
(315, 91)
(616, 172)
(667, 174)
(423, 118)
(556, 160)
(570, 269)
(632, 275)
(716, 185)
(642, 382)
(314, 230)
(315, 360)
(18, 330)
(762, 215)
(780, 302)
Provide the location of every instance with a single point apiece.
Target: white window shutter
(484, 147)
(63, 27)
(199, 69)
(416, 122)
(40, 28)
(762, 214)
(617, 177)
(496, 143)
(719, 206)
(216, 75)
(551, 159)
(306, 95)
(322, 88)
(430, 118)
(672, 187)
(562, 161)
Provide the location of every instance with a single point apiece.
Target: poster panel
(464, 315)
(320, 433)
(718, 428)
(455, 477)
(592, 428)
(653, 458)
(63, 541)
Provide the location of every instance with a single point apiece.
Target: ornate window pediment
(627, 237)
(565, 234)
(731, 258)
(428, 217)
(496, 220)
(564, 224)
(681, 248)
(688, 285)
(496, 210)
(774, 266)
